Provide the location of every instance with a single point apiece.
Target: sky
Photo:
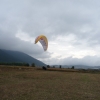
(71, 26)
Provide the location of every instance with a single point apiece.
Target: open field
(26, 83)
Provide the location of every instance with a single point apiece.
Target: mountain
(17, 56)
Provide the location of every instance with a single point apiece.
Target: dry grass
(31, 84)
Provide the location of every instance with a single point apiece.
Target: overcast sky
(71, 26)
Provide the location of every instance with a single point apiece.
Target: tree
(48, 66)
(27, 64)
(60, 66)
(53, 66)
(72, 67)
(33, 65)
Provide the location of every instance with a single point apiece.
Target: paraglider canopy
(43, 40)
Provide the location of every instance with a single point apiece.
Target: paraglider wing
(43, 40)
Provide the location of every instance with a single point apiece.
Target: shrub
(33, 65)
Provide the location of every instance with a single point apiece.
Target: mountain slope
(4, 57)
(16, 56)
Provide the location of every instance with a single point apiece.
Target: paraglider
(43, 40)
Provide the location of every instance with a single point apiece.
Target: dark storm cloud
(12, 43)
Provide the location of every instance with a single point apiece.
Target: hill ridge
(17, 56)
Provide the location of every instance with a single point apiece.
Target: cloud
(72, 28)
(87, 60)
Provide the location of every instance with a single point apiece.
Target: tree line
(48, 66)
(14, 64)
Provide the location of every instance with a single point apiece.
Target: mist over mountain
(20, 57)
(17, 56)
(77, 66)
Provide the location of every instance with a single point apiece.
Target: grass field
(20, 83)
